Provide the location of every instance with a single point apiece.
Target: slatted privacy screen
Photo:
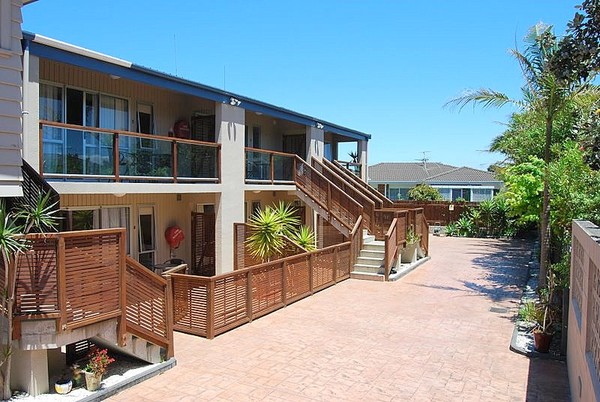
(146, 311)
(344, 261)
(327, 234)
(230, 301)
(297, 277)
(37, 286)
(323, 268)
(97, 259)
(267, 288)
(190, 304)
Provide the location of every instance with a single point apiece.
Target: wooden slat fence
(438, 212)
(148, 305)
(210, 306)
(89, 271)
(80, 278)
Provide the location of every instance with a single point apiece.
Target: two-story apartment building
(127, 146)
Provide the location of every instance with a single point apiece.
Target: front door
(203, 243)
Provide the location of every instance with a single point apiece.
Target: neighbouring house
(395, 179)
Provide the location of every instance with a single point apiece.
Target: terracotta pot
(541, 341)
(92, 381)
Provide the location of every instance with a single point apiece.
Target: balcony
(71, 152)
(269, 167)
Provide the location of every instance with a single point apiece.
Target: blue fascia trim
(162, 80)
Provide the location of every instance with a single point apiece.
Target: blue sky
(382, 67)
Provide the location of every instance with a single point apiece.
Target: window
(446, 193)
(464, 193)
(96, 218)
(146, 239)
(76, 151)
(145, 119)
(481, 194)
(394, 194)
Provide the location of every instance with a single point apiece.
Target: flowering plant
(99, 361)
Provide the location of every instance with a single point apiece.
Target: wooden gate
(203, 244)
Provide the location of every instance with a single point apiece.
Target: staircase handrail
(358, 183)
(367, 203)
(331, 187)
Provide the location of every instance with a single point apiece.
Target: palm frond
(485, 97)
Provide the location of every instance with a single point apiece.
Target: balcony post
(174, 159)
(116, 157)
(61, 282)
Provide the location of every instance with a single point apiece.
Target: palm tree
(544, 94)
(14, 224)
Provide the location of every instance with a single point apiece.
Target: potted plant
(542, 315)
(409, 254)
(96, 367)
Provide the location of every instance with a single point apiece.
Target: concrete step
(375, 246)
(368, 239)
(372, 253)
(366, 276)
(370, 261)
(368, 268)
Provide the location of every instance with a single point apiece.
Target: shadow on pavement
(504, 269)
(547, 381)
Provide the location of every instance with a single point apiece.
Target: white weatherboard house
(396, 179)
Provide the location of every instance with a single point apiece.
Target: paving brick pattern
(428, 337)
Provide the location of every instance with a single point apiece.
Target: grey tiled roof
(432, 172)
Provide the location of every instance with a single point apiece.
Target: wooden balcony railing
(269, 167)
(75, 152)
(80, 278)
(209, 306)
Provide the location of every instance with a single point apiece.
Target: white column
(31, 110)
(362, 154)
(230, 203)
(315, 143)
(30, 371)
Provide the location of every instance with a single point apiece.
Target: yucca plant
(305, 238)
(268, 228)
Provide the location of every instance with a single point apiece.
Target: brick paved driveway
(428, 337)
